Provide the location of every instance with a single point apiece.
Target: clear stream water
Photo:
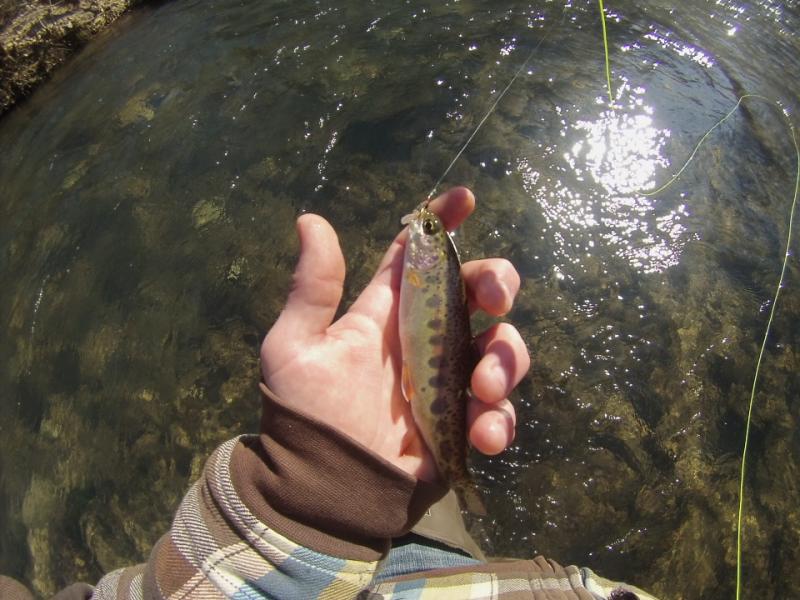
(146, 244)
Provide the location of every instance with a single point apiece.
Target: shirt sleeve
(298, 511)
(303, 511)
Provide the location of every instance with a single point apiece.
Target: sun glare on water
(597, 199)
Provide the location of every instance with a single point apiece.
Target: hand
(347, 373)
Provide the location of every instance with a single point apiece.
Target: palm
(350, 378)
(347, 373)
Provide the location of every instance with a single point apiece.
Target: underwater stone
(75, 174)
(137, 109)
(207, 211)
(236, 268)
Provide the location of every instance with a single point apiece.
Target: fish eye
(428, 226)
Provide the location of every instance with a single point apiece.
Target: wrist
(323, 489)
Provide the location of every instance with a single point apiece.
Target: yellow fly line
(778, 288)
(786, 254)
(605, 48)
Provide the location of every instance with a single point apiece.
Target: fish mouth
(415, 213)
(409, 218)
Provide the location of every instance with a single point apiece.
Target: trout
(437, 348)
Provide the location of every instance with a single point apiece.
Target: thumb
(318, 282)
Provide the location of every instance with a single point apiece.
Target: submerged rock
(207, 211)
(37, 36)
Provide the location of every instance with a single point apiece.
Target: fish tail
(471, 498)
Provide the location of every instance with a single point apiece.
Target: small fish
(437, 348)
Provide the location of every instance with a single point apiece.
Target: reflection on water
(147, 243)
(666, 40)
(621, 150)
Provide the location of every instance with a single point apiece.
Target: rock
(137, 109)
(207, 211)
(37, 36)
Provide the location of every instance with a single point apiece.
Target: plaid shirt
(218, 548)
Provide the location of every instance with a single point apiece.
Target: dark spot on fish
(435, 381)
(436, 339)
(442, 426)
(431, 279)
(435, 323)
(439, 406)
(435, 362)
(433, 302)
(620, 594)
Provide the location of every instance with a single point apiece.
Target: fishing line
(792, 210)
(763, 348)
(703, 139)
(489, 113)
(751, 403)
(605, 51)
(483, 120)
(786, 255)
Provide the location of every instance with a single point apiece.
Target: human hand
(347, 373)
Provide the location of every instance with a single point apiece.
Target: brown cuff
(322, 489)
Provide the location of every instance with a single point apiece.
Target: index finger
(452, 207)
(492, 284)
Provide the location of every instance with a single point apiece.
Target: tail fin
(471, 498)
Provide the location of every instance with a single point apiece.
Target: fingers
(492, 284)
(453, 207)
(504, 362)
(317, 285)
(491, 426)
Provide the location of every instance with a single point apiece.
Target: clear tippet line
(485, 117)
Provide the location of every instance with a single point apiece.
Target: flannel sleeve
(298, 511)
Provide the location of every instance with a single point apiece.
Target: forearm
(294, 512)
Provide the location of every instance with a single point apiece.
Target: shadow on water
(147, 243)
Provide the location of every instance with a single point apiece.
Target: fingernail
(506, 300)
(494, 294)
(499, 375)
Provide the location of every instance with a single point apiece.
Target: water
(146, 228)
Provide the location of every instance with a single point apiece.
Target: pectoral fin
(413, 278)
(406, 385)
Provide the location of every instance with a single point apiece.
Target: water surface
(146, 228)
